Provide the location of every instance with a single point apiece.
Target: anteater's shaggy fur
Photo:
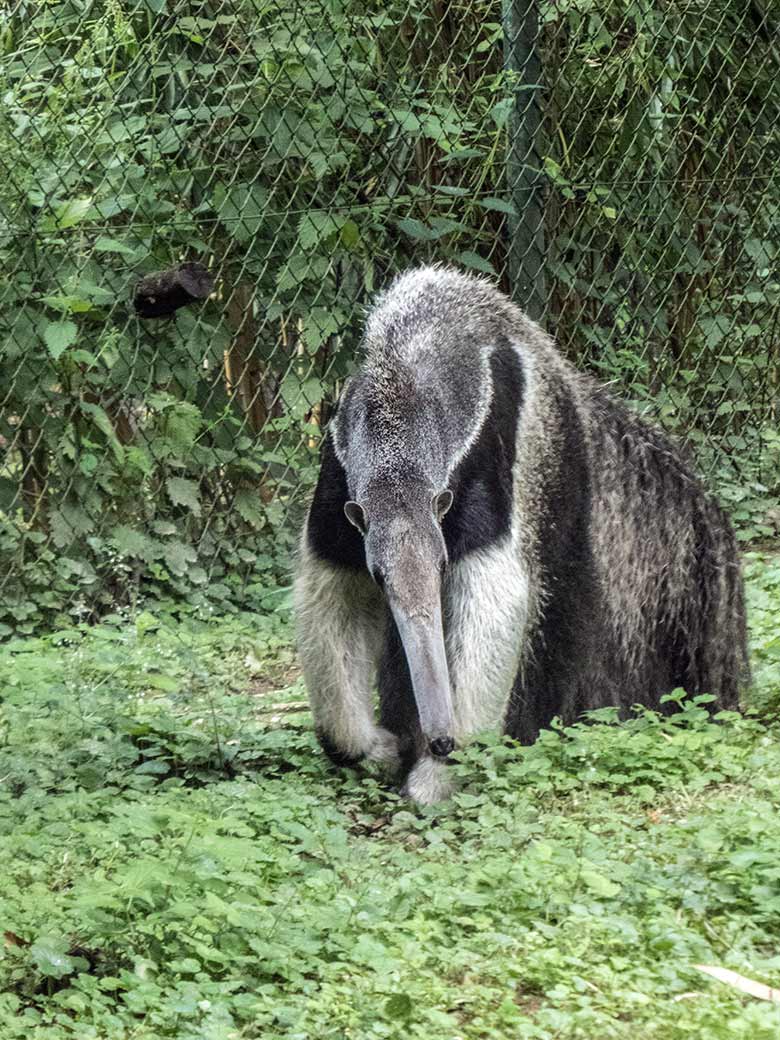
(587, 564)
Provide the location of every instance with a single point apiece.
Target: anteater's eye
(378, 577)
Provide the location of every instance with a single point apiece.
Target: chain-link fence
(613, 163)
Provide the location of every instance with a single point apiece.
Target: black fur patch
(481, 510)
(564, 642)
(331, 536)
(335, 754)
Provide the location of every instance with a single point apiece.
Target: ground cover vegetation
(179, 860)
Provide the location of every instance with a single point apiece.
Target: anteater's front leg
(486, 608)
(341, 622)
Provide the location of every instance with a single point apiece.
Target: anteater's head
(400, 519)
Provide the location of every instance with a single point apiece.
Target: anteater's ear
(441, 503)
(356, 516)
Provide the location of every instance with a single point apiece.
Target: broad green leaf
(300, 397)
(163, 527)
(166, 683)
(130, 542)
(182, 424)
(250, 506)
(762, 251)
(88, 463)
(501, 110)
(350, 234)
(441, 226)
(183, 492)
(599, 884)
(459, 154)
(317, 225)
(399, 1005)
(115, 245)
(78, 568)
(68, 214)
(476, 262)
(138, 458)
(179, 556)
(302, 268)
(105, 425)
(499, 205)
(52, 958)
(68, 522)
(416, 229)
(406, 120)
(72, 303)
(59, 335)
(319, 324)
(153, 765)
(241, 208)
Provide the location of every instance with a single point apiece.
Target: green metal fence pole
(522, 59)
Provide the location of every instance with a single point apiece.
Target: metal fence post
(522, 59)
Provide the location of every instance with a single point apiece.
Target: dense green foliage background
(178, 860)
(305, 152)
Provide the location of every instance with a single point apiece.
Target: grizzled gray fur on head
(496, 540)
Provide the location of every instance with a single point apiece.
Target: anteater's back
(666, 551)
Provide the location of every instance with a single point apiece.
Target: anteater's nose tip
(440, 747)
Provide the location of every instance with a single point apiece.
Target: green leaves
(67, 214)
(104, 244)
(316, 226)
(59, 335)
(598, 883)
(52, 958)
(183, 492)
(436, 228)
(320, 227)
(241, 208)
(497, 205)
(179, 557)
(174, 840)
(133, 543)
(311, 174)
(415, 229)
(476, 263)
(300, 396)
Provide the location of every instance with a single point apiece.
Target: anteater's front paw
(430, 781)
(337, 754)
(385, 750)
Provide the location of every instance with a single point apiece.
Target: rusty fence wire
(614, 165)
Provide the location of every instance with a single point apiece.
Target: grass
(178, 860)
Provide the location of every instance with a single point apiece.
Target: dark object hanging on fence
(164, 292)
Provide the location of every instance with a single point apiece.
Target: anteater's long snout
(422, 635)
